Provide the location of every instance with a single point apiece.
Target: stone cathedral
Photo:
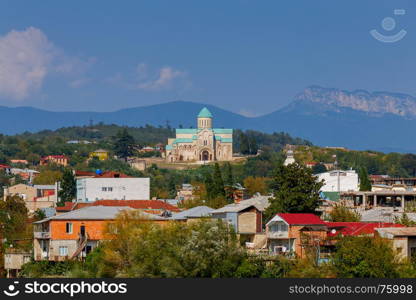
(202, 144)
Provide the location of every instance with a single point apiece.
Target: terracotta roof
(111, 174)
(84, 173)
(139, 204)
(301, 219)
(356, 228)
(2, 166)
(72, 206)
(150, 206)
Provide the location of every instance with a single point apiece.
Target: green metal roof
(182, 140)
(204, 113)
(168, 147)
(186, 130)
(222, 130)
(333, 196)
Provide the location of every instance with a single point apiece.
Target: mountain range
(358, 119)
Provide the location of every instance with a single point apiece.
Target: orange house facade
(74, 234)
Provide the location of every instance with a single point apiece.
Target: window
(63, 251)
(68, 227)
(110, 189)
(104, 189)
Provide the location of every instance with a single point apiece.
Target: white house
(92, 189)
(339, 181)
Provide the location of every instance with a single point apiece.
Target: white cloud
(27, 57)
(77, 83)
(166, 78)
(248, 113)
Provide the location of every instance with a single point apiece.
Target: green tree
(124, 144)
(244, 144)
(295, 190)
(365, 183)
(340, 213)
(365, 257)
(68, 187)
(48, 177)
(218, 183)
(253, 145)
(228, 177)
(142, 249)
(319, 168)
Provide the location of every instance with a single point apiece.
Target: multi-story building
(34, 196)
(339, 181)
(112, 186)
(61, 160)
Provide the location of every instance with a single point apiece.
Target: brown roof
(399, 231)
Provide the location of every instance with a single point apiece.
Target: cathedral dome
(204, 113)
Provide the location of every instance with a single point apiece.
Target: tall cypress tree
(218, 182)
(209, 186)
(365, 183)
(244, 144)
(253, 145)
(229, 182)
(68, 188)
(124, 144)
(228, 178)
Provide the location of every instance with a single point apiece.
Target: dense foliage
(295, 190)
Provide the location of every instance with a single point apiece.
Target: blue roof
(168, 147)
(204, 113)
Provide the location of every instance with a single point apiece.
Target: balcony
(277, 234)
(41, 235)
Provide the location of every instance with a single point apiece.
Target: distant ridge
(358, 119)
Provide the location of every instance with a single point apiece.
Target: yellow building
(101, 154)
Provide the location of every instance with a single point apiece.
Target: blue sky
(250, 57)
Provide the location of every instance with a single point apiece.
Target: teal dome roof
(204, 113)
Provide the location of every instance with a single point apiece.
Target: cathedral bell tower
(204, 119)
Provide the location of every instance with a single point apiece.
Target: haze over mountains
(327, 117)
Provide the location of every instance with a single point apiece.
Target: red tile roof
(356, 228)
(106, 174)
(2, 166)
(301, 219)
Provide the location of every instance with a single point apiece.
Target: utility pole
(337, 170)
